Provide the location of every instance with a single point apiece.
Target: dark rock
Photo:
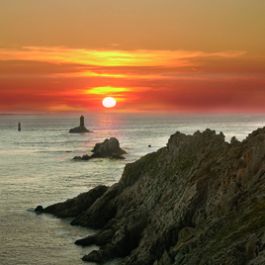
(200, 200)
(86, 157)
(234, 140)
(74, 207)
(100, 239)
(109, 148)
(81, 128)
(82, 158)
(94, 256)
(39, 209)
(98, 215)
(77, 158)
(87, 241)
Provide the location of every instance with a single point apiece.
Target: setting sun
(109, 102)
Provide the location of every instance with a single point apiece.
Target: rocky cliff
(199, 200)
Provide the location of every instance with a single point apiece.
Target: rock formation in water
(110, 148)
(199, 200)
(81, 128)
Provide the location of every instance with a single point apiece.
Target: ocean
(36, 167)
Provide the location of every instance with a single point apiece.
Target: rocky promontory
(198, 201)
(109, 148)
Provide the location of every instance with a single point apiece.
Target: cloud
(107, 90)
(63, 79)
(177, 58)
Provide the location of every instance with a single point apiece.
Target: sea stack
(81, 128)
(110, 148)
(19, 127)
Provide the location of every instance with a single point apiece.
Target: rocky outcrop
(85, 157)
(74, 207)
(199, 200)
(81, 128)
(110, 148)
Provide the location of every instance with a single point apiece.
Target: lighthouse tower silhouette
(82, 121)
(81, 128)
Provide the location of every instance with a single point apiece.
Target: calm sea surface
(36, 168)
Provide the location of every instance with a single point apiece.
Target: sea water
(36, 167)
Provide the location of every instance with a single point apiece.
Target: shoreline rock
(73, 207)
(199, 200)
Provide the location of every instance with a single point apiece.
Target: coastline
(173, 206)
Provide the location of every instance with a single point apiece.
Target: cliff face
(199, 200)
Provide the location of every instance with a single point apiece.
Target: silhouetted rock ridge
(197, 201)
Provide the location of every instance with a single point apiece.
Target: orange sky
(159, 55)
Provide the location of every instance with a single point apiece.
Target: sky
(186, 56)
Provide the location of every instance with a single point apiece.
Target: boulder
(82, 158)
(39, 209)
(94, 256)
(109, 148)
